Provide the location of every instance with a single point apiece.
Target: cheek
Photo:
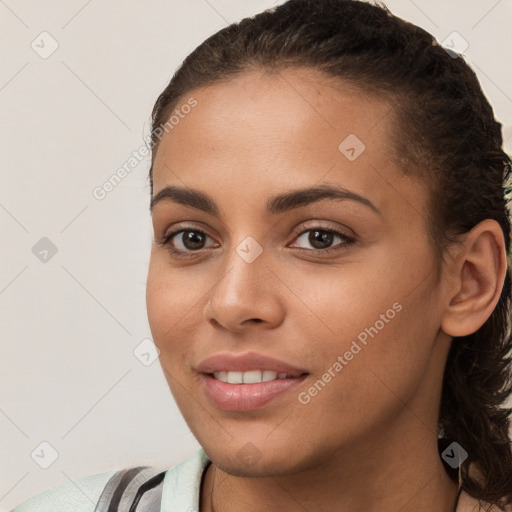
(386, 353)
(170, 299)
(382, 323)
(175, 303)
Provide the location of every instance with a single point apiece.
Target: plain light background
(70, 325)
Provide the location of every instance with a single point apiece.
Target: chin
(233, 465)
(246, 459)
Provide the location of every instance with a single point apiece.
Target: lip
(229, 362)
(246, 397)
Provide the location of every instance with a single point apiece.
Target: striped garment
(139, 489)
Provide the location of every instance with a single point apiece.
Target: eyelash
(166, 240)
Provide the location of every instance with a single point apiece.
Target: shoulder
(178, 485)
(80, 495)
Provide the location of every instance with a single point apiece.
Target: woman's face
(357, 314)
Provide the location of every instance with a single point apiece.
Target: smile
(249, 377)
(245, 396)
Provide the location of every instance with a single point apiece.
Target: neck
(400, 470)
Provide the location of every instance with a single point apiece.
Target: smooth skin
(368, 440)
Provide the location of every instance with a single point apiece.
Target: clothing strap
(136, 489)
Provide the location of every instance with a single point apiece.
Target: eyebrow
(276, 204)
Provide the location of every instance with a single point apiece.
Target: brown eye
(184, 241)
(322, 238)
(318, 238)
(192, 240)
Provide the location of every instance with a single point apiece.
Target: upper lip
(229, 362)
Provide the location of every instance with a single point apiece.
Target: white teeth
(268, 375)
(235, 377)
(252, 377)
(249, 377)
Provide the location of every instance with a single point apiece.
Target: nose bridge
(243, 292)
(244, 266)
(249, 250)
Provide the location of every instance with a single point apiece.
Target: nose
(248, 293)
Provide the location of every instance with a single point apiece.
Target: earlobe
(477, 274)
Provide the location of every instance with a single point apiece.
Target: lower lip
(245, 397)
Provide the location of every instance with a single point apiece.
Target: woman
(328, 286)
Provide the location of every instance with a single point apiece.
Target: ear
(475, 278)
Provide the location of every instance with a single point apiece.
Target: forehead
(273, 130)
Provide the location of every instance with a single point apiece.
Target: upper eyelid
(297, 232)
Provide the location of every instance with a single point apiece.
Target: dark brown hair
(444, 132)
